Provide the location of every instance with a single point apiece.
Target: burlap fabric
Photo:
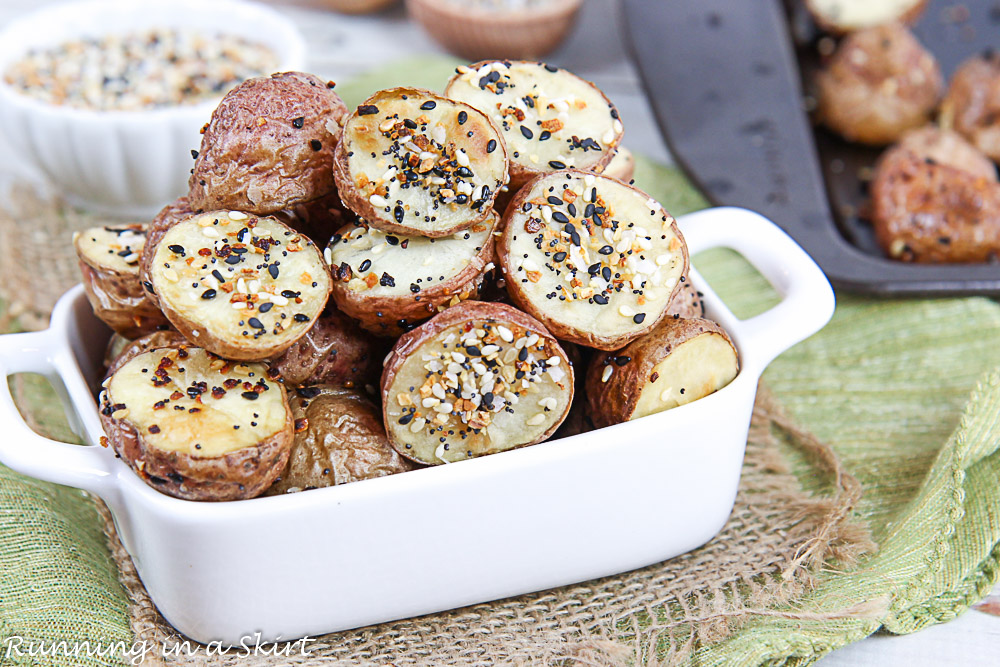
(792, 576)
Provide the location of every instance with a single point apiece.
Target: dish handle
(21, 449)
(807, 300)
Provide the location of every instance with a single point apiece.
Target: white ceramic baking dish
(556, 513)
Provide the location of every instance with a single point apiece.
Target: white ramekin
(436, 538)
(123, 163)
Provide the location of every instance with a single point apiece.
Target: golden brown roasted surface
(414, 162)
(477, 379)
(971, 106)
(928, 212)
(338, 439)
(680, 361)
(948, 147)
(195, 426)
(597, 261)
(550, 118)
(109, 264)
(844, 16)
(333, 352)
(879, 83)
(391, 282)
(269, 145)
(241, 286)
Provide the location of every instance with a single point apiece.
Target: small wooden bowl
(480, 34)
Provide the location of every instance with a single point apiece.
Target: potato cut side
(242, 286)
(841, 16)
(189, 401)
(391, 281)
(339, 439)
(550, 118)
(597, 261)
(411, 161)
(115, 248)
(696, 368)
(478, 379)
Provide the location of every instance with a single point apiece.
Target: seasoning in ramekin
(139, 70)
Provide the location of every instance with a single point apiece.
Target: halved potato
(339, 439)
(597, 261)
(109, 261)
(391, 282)
(687, 303)
(842, 16)
(679, 362)
(122, 350)
(169, 215)
(550, 118)
(333, 352)
(935, 144)
(241, 286)
(413, 162)
(925, 211)
(269, 145)
(971, 106)
(622, 165)
(477, 379)
(879, 83)
(195, 426)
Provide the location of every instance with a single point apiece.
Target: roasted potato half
(550, 118)
(391, 282)
(477, 379)
(109, 262)
(339, 439)
(195, 426)
(333, 352)
(942, 146)
(878, 84)
(170, 215)
(971, 106)
(843, 16)
(414, 162)
(687, 303)
(924, 211)
(269, 145)
(241, 286)
(597, 261)
(679, 362)
(122, 350)
(622, 165)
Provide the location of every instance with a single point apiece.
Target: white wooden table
(596, 52)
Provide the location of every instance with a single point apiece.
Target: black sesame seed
(255, 323)
(428, 105)
(297, 122)
(233, 259)
(559, 256)
(365, 265)
(594, 268)
(526, 133)
(249, 395)
(177, 249)
(464, 172)
(273, 270)
(392, 240)
(473, 351)
(386, 280)
(397, 213)
(491, 146)
(194, 154)
(367, 109)
(622, 360)
(545, 135)
(299, 317)
(414, 288)
(218, 276)
(560, 217)
(556, 164)
(550, 68)
(639, 317)
(555, 201)
(315, 144)
(208, 294)
(462, 117)
(264, 307)
(606, 250)
(606, 273)
(601, 299)
(406, 419)
(290, 294)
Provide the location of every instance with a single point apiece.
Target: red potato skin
(333, 352)
(467, 311)
(560, 330)
(357, 201)
(257, 156)
(687, 302)
(972, 104)
(614, 401)
(119, 301)
(392, 316)
(934, 213)
(520, 174)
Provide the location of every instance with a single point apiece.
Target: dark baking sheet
(726, 82)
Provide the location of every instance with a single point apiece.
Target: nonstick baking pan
(725, 81)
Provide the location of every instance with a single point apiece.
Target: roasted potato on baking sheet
(934, 144)
(242, 286)
(679, 362)
(971, 106)
(878, 84)
(597, 261)
(477, 379)
(195, 426)
(339, 439)
(269, 145)
(551, 119)
(413, 162)
(391, 282)
(109, 261)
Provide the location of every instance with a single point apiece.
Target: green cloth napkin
(887, 383)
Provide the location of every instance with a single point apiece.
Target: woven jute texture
(776, 537)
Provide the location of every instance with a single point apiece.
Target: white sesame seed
(417, 425)
(377, 201)
(237, 215)
(120, 414)
(536, 420)
(444, 408)
(608, 370)
(438, 391)
(618, 126)
(439, 453)
(430, 402)
(239, 305)
(548, 402)
(210, 232)
(439, 134)
(490, 349)
(554, 360)
(279, 300)
(241, 285)
(462, 157)
(170, 275)
(459, 358)
(665, 394)
(608, 137)
(663, 259)
(506, 334)
(328, 256)
(625, 311)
